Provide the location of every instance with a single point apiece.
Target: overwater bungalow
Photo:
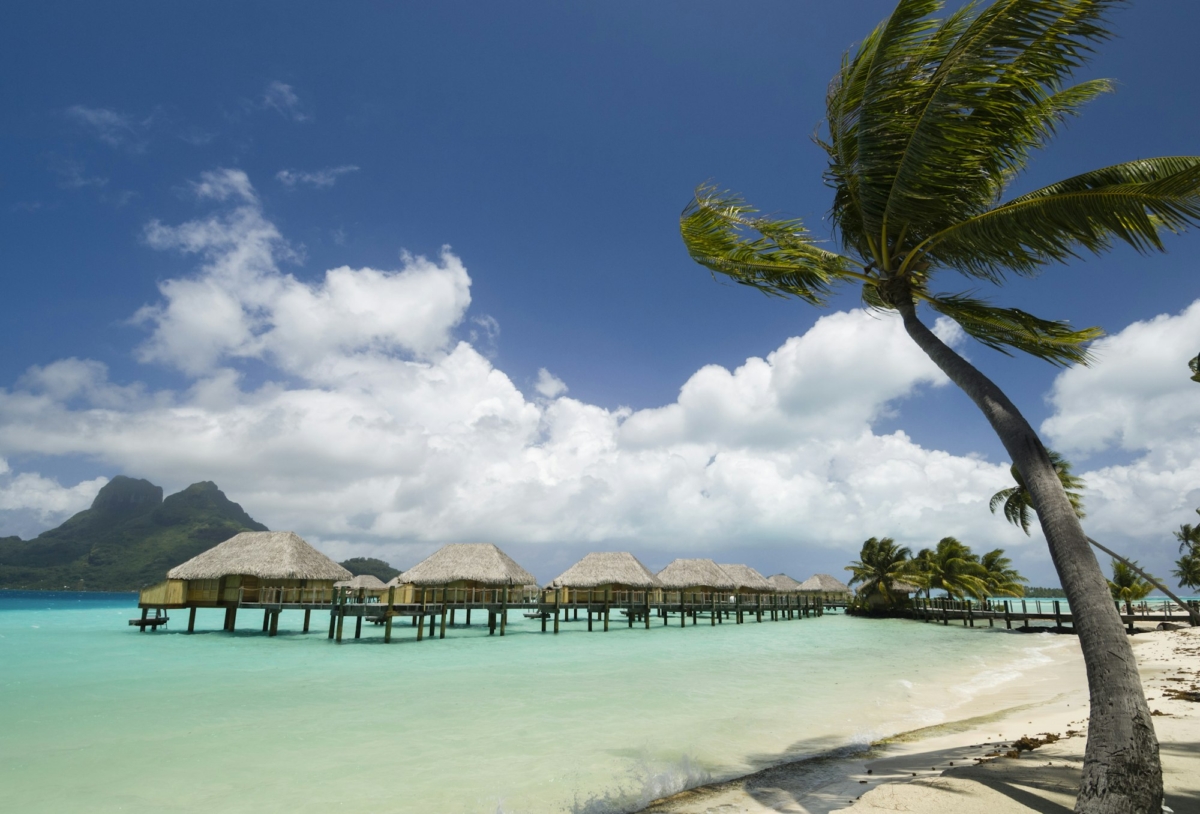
(783, 584)
(269, 567)
(695, 583)
(828, 588)
(464, 573)
(604, 576)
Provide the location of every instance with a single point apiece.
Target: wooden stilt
(307, 613)
(192, 619)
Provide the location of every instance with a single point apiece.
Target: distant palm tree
(928, 122)
(1126, 585)
(1017, 503)
(953, 568)
(1002, 579)
(880, 565)
(1187, 570)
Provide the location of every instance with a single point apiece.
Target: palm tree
(1126, 585)
(1002, 579)
(1187, 570)
(881, 564)
(953, 568)
(1017, 503)
(928, 121)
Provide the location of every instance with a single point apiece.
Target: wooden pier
(1022, 612)
(432, 618)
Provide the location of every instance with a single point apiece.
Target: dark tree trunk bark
(1121, 769)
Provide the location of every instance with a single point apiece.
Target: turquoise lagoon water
(94, 714)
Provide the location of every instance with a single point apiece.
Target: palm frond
(782, 260)
(1003, 328)
(1133, 202)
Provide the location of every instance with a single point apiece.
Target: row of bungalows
(280, 568)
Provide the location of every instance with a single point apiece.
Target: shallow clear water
(96, 714)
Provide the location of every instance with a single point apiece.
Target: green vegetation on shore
(129, 538)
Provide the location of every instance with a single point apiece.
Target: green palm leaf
(783, 260)
(1133, 202)
(1003, 328)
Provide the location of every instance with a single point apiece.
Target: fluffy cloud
(29, 502)
(1138, 399)
(378, 431)
(315, 178)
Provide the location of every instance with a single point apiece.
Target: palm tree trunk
(1186, 607)
(1121, 769)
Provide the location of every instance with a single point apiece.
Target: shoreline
(970, 764)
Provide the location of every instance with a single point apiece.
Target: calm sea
(96, 716)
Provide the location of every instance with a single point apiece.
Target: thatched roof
(746, 577)
(824, 583)
(784, 583)
(368, 582)
(607, 568)
(474, 562)
(694, 574)
(262, 554)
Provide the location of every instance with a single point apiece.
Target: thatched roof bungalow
(825, 586)
(600, 575)
(469, 572)
(253, 566)
(784, 584)
(746, 580)
(691, 577)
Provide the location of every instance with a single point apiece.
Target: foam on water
(97, 714)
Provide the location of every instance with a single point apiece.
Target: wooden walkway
(438, 617)
(1024, 611)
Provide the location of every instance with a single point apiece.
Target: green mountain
(369, 565)
(129, 538)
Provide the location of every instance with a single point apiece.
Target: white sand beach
(974, 765)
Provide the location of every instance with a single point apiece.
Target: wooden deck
(1023, 612)
(438, 617)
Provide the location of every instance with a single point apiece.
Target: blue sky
(551, 147)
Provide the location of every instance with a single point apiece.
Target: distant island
(129, 538)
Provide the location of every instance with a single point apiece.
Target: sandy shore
(978, 765)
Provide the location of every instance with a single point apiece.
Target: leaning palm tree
(881, 565)
(928, 122)
(1002, 579)
(1017, 503)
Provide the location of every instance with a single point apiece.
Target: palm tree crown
(1017, 503)
(881, 565)
(927, 123)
